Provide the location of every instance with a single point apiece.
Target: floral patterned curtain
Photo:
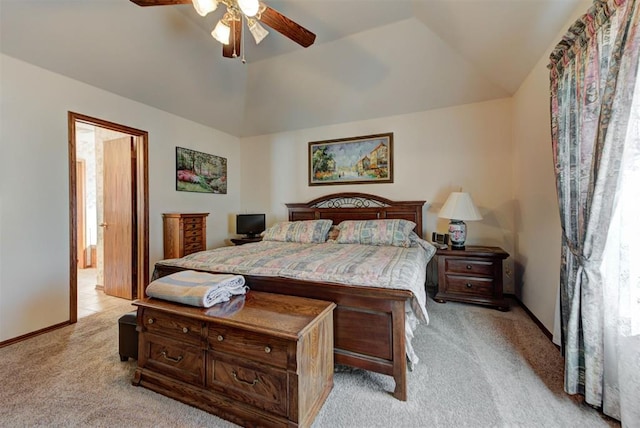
(594, 113)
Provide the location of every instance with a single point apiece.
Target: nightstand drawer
(465, 285)
(470, 266)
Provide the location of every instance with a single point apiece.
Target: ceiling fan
(229, 29)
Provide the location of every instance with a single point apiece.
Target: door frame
(141, 140)
(80, 219)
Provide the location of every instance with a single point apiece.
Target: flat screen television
(250, 225)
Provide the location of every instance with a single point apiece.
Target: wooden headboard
(357, 206)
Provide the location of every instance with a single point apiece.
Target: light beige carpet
(479, 368)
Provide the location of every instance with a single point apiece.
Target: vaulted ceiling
(371, 58)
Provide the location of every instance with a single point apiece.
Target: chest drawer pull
(185, 330)
(150, 321)
(166, 357)
(220, 338)
(267, 349)
(469, 285)
(237, 379)
(469, 267)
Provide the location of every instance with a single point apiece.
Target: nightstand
(242, 241)
(473, 275)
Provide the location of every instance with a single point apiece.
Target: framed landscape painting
(356, 160)
(200, 172)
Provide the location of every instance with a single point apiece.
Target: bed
(372, 324)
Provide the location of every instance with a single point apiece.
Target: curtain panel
(593, 73)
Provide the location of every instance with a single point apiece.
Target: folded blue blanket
(197, 288)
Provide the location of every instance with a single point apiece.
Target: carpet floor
(478, 368)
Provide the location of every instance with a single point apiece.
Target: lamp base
(457, 234)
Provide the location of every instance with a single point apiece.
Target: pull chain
(242, 37)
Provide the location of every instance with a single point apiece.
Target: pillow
(393, 232)
(306, 231)
(333, 233)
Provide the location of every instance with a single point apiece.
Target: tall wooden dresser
(184, 233)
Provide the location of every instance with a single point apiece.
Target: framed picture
(200, 172)
(357, 160)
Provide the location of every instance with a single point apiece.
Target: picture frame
(200, 172)
(356, 160)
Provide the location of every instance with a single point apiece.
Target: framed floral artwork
(200, 172)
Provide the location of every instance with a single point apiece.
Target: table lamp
(457, 208)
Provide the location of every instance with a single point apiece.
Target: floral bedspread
(351, 264)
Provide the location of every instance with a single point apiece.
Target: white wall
(435, 152)
(34, 185)
(537, 226)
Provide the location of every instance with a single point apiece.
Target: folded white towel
(197, 288)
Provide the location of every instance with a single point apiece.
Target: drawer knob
(469, 267)
(469, 285)
(267, 349)
(172, 359)
(150, 321)
(220, 338)
(185, 330)
(237, 379)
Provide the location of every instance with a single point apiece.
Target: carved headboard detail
(357, 206)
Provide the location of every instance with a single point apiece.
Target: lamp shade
(257, 30)
(459, 206)
(203, 7)
(222, 32)
(249, 7)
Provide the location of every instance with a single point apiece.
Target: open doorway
(108, 176)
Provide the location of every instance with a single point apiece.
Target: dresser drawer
(193, 233)
(191, 224)
(195, 239)
(197, 246)
(267, 350)
(181, 328)
(470, 266)
(173, 358)
(248, 382)
(466, 285)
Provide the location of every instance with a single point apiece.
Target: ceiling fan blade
(235, 37)
(159, 2)
(287, 27)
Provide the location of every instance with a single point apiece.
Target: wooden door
(118, 214)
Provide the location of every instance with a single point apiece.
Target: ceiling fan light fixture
(203, 7)
(221, 32)
(257, 31)
(250, 8)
